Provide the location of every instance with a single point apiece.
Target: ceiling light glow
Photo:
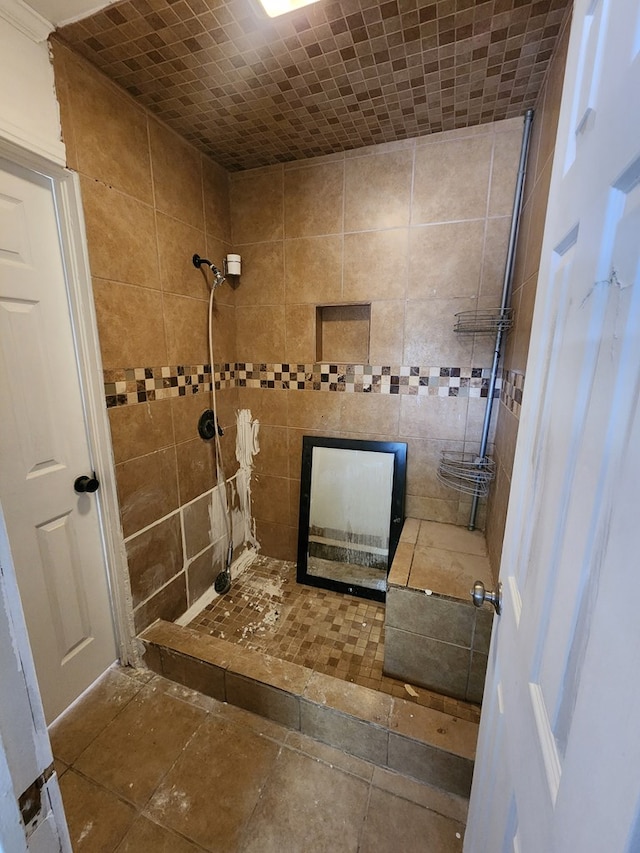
(273, 8)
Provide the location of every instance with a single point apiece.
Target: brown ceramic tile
(387, 332)
(145, 836)
(138, 430)
(313, 200)
(269, 408)
(378, 191)
(267, 611)
(433, 417)
(351, 699)
(130, 325)
(435, 727)
(169, 603)
(428, 333)
(177, 242)
(423, 762)
(147, 489)
(135, 751)
(262, 281)
(437, 266)
(375, 265)
(342, 334)
(344, 732)
(194, 673)
(331, 79)
(177, 176)
(273, 458)
(506, 155)
(186, 328)
(217, 202)
(120, 157)
(451, 538)
(225, 761)
(97, 819)
(81, 724)
(300, 345)
(430, 663)
(452, 180)
(269, 702)
(261, 333)
(306, 806)
(414, 829)
(270, 498)
(448, 572)
(186, 413)
(257, 207)
(196, 468)
(121, 235)
(154, 557)
(280, 540)
(203, 570)
(197, 526)
(493, 263)
(429, 797)
(331, 756)
(313, 269)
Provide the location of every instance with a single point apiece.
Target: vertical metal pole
(504, 303)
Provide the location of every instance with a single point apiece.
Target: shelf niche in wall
(342, 333)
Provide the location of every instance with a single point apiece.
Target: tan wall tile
(186, 413)
(494, 260)
(136, 430)
(313, 200)
(130, 325)
(433, 417)
(268, 408)
(273, 458)
(224, 332)
(506, 152)
(261, 333)
(446, 259)
(217, 203)
(300, 345)
(186, 326)
(367, 413)
(378, 191)
(177, 176)
(154, 557)
(452, 180)
(147, 489)
(257, 206)
(121, 235)
(169, 603)
(277, 540)
(375, 265)
(262, 280)
(270, 499)
(196, 468)
(96, 105)
(197, 525)
(429, 338)
(313, 269)
(387, 332)
(177, 243)
(317, 411)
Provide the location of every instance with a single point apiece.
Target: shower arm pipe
(504, 302)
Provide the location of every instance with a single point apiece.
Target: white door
(558, 766)
(54, 533)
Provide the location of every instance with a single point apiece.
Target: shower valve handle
(479, 595)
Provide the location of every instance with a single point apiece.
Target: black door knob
(87, 484)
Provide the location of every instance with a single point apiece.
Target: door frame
(73, 243)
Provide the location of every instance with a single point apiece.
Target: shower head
(218, 277)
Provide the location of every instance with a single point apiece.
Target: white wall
(29, 114)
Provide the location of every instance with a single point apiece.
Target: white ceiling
(59, 12)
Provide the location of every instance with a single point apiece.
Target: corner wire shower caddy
(472, 473)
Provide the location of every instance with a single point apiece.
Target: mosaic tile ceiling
(250, 91)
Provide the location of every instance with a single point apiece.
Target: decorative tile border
(511, 391)
(128, 386)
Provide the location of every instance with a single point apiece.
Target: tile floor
(147, 766)
(336, 634)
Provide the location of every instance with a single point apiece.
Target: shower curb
(428, 745)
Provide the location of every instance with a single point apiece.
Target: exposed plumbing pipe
(504, 302)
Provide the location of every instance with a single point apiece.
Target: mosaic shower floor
(339, 635)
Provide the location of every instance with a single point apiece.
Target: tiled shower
(406, 234)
